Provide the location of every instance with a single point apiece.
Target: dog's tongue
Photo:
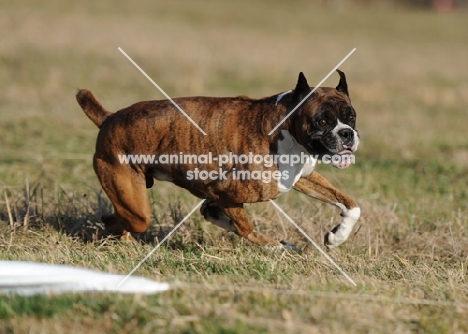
(344, 163)
(345, 151)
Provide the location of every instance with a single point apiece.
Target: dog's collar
(280, 96)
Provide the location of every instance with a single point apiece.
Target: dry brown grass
(408, 81)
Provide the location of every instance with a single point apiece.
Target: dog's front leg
(315, 185)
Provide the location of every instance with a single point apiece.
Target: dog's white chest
(299, 162)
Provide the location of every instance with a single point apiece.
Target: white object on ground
(30, 278)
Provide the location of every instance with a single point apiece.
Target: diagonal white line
(313, 90)
(160, 89)
(160, 243)
(313, 243)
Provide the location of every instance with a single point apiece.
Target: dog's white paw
(331, 240)
(342, 231)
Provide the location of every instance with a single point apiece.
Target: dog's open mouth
(345, 151)
(343, 159)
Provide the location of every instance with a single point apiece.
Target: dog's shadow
(78, 215)
(164, 218)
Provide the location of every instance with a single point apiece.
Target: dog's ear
(301, 90)
(342, 85)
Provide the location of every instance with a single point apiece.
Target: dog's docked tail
(92, 108)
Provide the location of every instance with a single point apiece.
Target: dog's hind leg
(233, 218)
(126, 189)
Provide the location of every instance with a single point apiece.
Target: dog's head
(326, 122)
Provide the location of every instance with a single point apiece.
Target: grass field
(408, 81)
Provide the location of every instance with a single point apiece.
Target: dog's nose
(347, 135)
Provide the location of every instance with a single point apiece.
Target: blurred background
(408, 81)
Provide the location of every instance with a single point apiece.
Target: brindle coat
(239, 125)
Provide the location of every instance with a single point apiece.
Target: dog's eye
(322, 122)
(352, 118)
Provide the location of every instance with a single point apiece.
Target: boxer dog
(324, 124)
